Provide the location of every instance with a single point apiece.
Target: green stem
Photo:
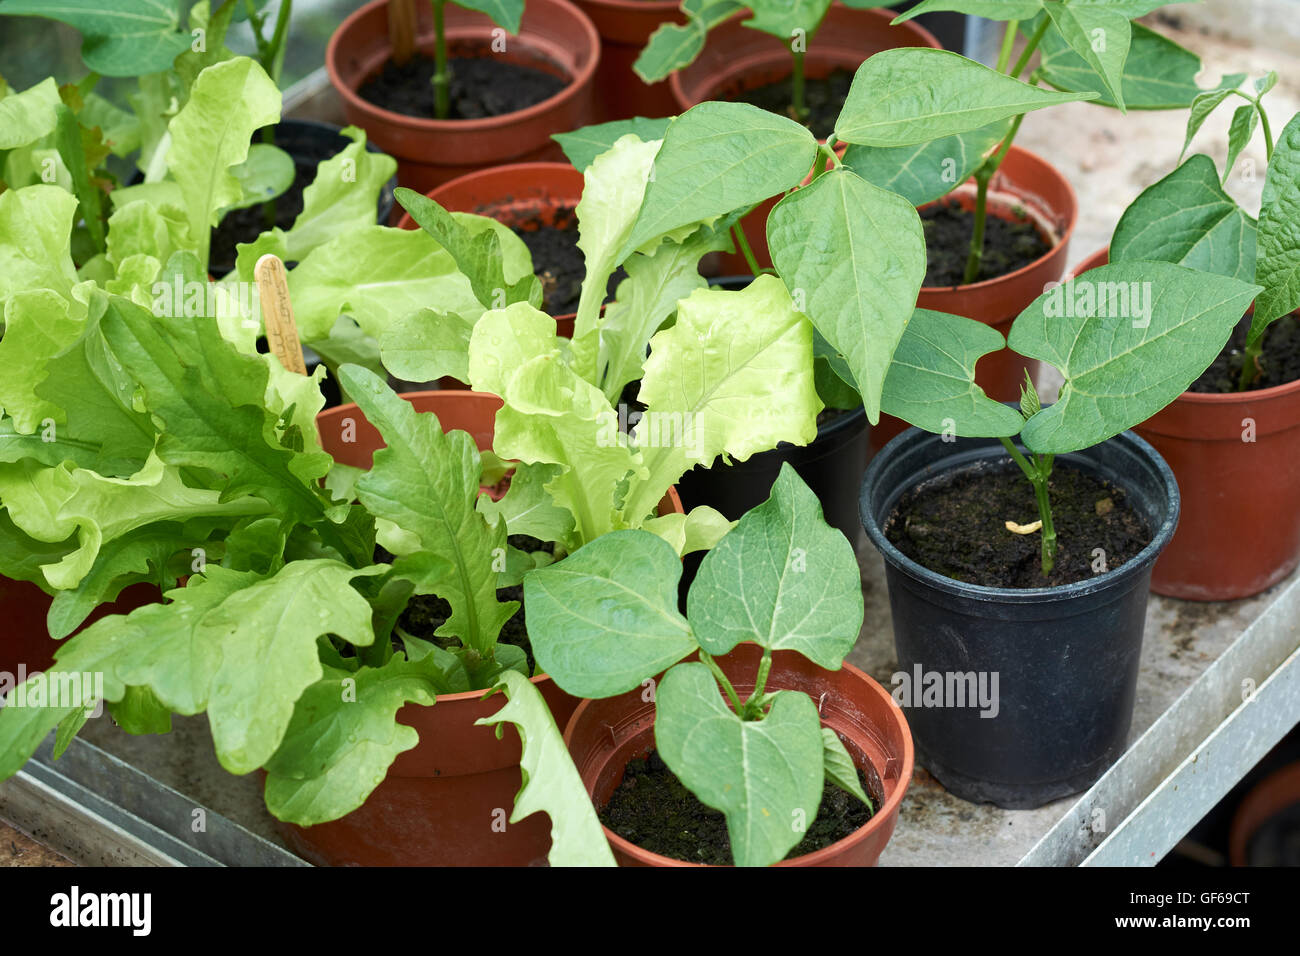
(796, 89)
(1045, 513)
(1030, 471)
(276, 47)
(1030, 47)
(752, 707)
(742, 243)
(1268, 132)
(721, 678)
(983, 176)
(1008, 41)
(1250, 364)
(441, 77)
(1038, 472)
(976, 256)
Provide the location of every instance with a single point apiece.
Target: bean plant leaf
(931, 381)
(342, 739)
(989, 9)
(605, 618)
(783, 578)
(1128, 338)
(1245, 119)
(1277, 268)
(582, 146)
(925, 171)
(853, 255)
(717, 158)
(552, 784)
(914, 95)
(119, 38)
(783, 17)
(1187, 219)
(266, 173)
(1158, 73)
(504, 13)
(839, 767)
(674, 46)
(1100, 35)
(764, 775)
(1205, 104)
(426, 482)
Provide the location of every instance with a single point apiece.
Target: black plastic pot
(1065, 658)
(831, 465)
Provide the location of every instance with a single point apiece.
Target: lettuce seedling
(923, 121)
(1187, 218)
(1127, 338)
(280, 549)
(605, 621)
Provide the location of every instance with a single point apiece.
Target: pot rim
(1061, 242)
(888, 808)
(460, 393)
(979, 592)
(576, 82)
(1199, 398)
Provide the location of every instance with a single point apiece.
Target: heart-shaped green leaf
(853, 257)
(1129, 338)
(717, 158)
(931, 381)
(926, 171)
(605, 618)
(765, 775)
(1277, 268)
(915, 95)
(1187, 219)
(782, 577)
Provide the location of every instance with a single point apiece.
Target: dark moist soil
(245, 225)
(481, 86)
(1008, 245)
(425, 613)
(823, 97)
(653, 809)
(558, 262)
(1279, 362)
(955, 526)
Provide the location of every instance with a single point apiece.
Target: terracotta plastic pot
(555, 37)
(1240, 531)
(26, 639)
(604, 735)
(445, 802)
(736, 59)
(625, 27)
(1275, 794)
(1025, 188)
